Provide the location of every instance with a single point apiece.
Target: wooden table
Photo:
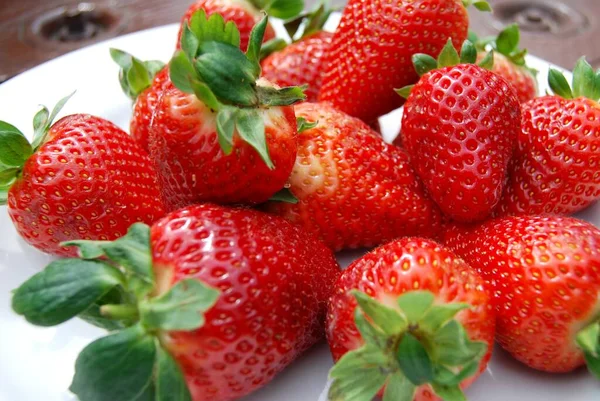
(560, 31)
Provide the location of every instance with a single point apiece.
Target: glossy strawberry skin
(371, 51)
(299, 63)
(460, 126)
(545, 274)
(90, 180)
(144, 107)
(194, 169)
(556, 168)
(522, 80)
(404, 265)
(243, 14)
(274, 280)
(354, 190)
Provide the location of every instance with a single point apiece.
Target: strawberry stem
(120, 312)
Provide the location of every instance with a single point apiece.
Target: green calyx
(588, 340)
(448, 57)
(135, 75)
(413, 343)
(586, 82)
(212, 66)
(481, 5)
(15, 149)
(113, 287)
(283, 9)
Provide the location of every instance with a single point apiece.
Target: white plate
(37, 363)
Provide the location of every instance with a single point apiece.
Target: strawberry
(301, 61)
(411, 321)
(219, 299)
(556, 168)
(509, 61)
(353, 189)
(143, 82)
(545, 274)
(81, 178)
(370, 53)
(220, 134)
(460, 125)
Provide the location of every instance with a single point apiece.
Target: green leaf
(269, 96)
(40, 121)
(584, 80)
(448, 393)
(304, 125)
(8, 176)
(228, 73)
(508, 40)
(368, 364)
(415, 304)
(214, 29)
(414, 360)
(205, 94)
(483, 6)
(468, 53)
(116, 367)
(255, 43)
(593, 364)
(399, 388)
(14, 147)
(473, 38)
(440, 315)
(153, 67)
(424, 63)
(518, 57)
(225, 128)
(588, 339)
(87, 249)
(123, 59)
(4, 194)
(285, 9)
(189, 42)
(559, 85)
(284, 195)
(64, 289)
(315, 20)
(448, 56)
(180, 308)
(272, 46)
(182, 72)
(138, 77)
(370, 334)
(453, 346)
(251, 128)
(404, 92)
(488, 61)
(93, 316)
(447, 377)
(390, 321)
(170, 382)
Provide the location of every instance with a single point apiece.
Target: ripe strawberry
(82, 178)
(556, 167)
(412, 318)
(220, 134)
(243, 13)
(545, 273)
(372, 48)
(143, 82)
(234, 295)
(509, 61)
(353, 189)
(460, 125)
(301, 61)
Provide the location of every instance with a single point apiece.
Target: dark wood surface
(560, 30)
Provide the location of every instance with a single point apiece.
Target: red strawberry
(545, 273)
(371, 51)
(234, 295)
(460, 125)
(353, 189)
(412, 318)
(82, 178)
(220, 134)
(301, 61)
(243, 13)
(556, 168)
(143, 82)
(509, 61)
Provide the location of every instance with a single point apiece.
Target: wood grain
(21, 48)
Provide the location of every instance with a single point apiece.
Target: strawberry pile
(204, 240)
